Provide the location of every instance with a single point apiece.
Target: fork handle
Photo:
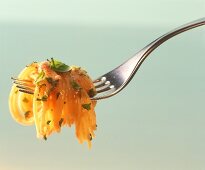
(137, 60)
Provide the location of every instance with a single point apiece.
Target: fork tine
(23, 82)
(25, 91)
(17, 79)
(99, 80)
(96, 81)
(102, 86)
(106, 88)
(24, 86)
(107, 83)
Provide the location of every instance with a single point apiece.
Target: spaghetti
(61, 97)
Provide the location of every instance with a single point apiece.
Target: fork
(114, 81)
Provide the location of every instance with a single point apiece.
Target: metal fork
(25, 86)
(114, 81)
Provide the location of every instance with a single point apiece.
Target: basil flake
(48, 122)
(52, 82)
(86, 106)
(90, 137)
(25, 100)
(27, 114)
(91, 92)
(45, 137)
(58, 66)
(40, 76)
(43, 98)
(75, 85)
(57, 95)
(60, 122)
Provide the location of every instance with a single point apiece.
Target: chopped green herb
(43, 98)
(57, 95)
(90, 137)
(44, 137)
(58, 66)
(53, 84)
(60, 122)
(25, 100)
(27, 114)
(75, 85)
(48, 122)
(49, 80)
(82, 74)
(40, 76)
(91, 92)
(86, 106)
(16, 91)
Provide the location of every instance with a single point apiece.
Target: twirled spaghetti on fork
(60, 96)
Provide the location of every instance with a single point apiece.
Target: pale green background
(156, 123)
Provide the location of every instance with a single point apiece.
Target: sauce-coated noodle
(59, 99)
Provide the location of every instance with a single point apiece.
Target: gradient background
(156, 123)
